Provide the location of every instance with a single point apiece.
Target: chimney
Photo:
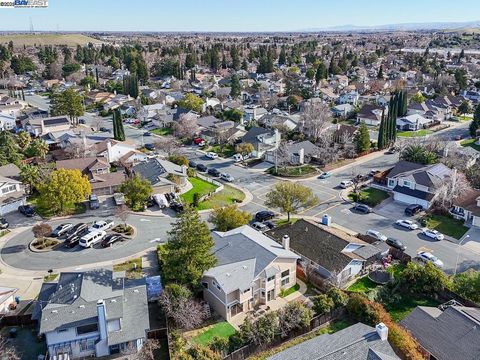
(286, 242)
(382, 331)
(101, 346)
(301, 156)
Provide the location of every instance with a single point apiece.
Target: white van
(161, 200)
(237, 157)
(346, 184)
(91, 238)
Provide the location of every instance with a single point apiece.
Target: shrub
(191, 172)
(178, 159)
(322, 304)
(41, 230)
(423, 279)
(293, 316)
(196, 199)
(467, 284)
(338, 297)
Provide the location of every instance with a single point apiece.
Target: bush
(467, 284)
(178, 159)
(338, 297)
(293, 316)
(322, 304)
(41, 230)
(191, 172)
(423, 279)
(196, 199)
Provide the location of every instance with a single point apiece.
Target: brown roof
(83, 164)
(105, 180)
(468, 201)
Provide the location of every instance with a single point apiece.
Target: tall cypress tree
(392, 133)
(118, 130)
(381, 133)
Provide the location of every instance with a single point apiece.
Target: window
(61, 330)
(85, 329)
(246, 291)
(205, 284)
(271, 278)
(8, 189)
(391, 182)
(285, 281)
(285, 273)
(87, 345)
(407, 183)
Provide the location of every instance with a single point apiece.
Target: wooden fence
(318, 321)
(17, 320)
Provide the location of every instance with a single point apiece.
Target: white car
(409, 224)
(425, 257)
(346, 184)
(101, 225)
(91, 238)
(433, 234)
(212, 155)
(377, 235)
(227, 177)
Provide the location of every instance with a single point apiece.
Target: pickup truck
(101, 225)
(119, 198)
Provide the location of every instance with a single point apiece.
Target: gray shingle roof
(155, 169)
(357, 342)
(451, 334)
(413, 192)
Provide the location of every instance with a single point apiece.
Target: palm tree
(38, 147)
(29, 175)
(23, 139)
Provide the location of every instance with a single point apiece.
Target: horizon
(217, 16)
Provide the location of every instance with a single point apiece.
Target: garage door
(6, 208)
(406, 199)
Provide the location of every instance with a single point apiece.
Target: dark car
(177, 207)
(151, 202)
(264, 215)
(82, 121)
(72, 241)
(61, 229)
(111, 239)
(93, 201)
(77, 229)
(270, 225)
(147, 133)
(104, 129)
(413, 209)
(397, 244)
(3, 223)
(201, 168)
(214, 172)
(149, 147)
(362, 208)
(192, 164)
(26, 210)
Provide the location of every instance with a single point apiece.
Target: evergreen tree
(321, 72)
(244, 65)
(235, 86)
(381, 133)
(380, 72)
(362, 139)
(118, 130)
(282, 58)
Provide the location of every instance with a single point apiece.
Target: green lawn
(222, 329)
(199, 186)
(402, 308)
(417, 133)
(370, 196)
(462, 118)
(293, 171)
(50, 277)
(229, 195)
(362, 285)
(4, 232)
(71, 209)
(396, 270)
(285, 221)
(132, 268)
(163, 131)
(446, 225)
(291, 290)
(226, 151)
(470, 143)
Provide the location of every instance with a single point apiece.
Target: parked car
(26, 210)
(413, 209)
(433, 234)
(61, 229)
(93, 202)
(72, 241)
(177, 206)
(214, 172)
(409, 224)
(104, 129)
(91, 238)
(227, 177)
(202, 168)
(192, 164)
(82, 121)
(260, 226)
(346, 184)
(212, 155)
(199, 141)
(101, 225)
(391, 151)
(458, 137)
(362, 208)
(147, 133)
(111, 239)
(149, 147)
(119, 198)
(238, 157)
(425, 256)
(271, 225)
(3, 224)
(264, 215)
(77, 229)
(377, 235)
(325, 175)
(395, 243)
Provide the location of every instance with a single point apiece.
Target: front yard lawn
(229, 195)
(446, 225)
(362, 285)
(70, 209)
(406, 304)
(132, 268)
(291, 290)
(222, 329)
(163, 131)
(417, 133)
(226, 151)
(370, 196)
(200, 186)
(293, 171)
(470, 143)
(285, 221)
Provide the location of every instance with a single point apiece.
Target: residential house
(93, 314)
(42, 126)
(371, 114)
(97, 169)
(299, 153)
(356, 342)
(7, 122)
(262, 139)
(252, 269)
(413, 183)
(253, 113)
(113, 150)
(328, 95)
(342, 110)
(278, 120)
(471, 95)
(467, 207)
(7, 297)
(162, 174)
(333, 254)
(119, 74)
(413, 123)
(215, 130)
(445, 333)
(12, 191)
(98, 97)
(430, 109)
(349, 98)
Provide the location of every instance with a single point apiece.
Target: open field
(47, 39)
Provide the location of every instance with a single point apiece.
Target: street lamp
(458, 251)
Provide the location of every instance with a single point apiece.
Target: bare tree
(7, 352)
(147, 352)
(97, 123)
(186, 126)
(450, 188)
(316, 120)
(41, 230)
(168, 145)
(79, 149)
(121, 212)
(281, 156)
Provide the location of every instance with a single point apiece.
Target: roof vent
(244, 267)
(54, 311)
(135, 291)
(113, 300)
(82, 306)
(228, 274)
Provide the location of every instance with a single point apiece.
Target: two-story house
(413, 183)
(252, 269)
(351, 98)
(162, 174)
(12, 192)
(371, 114)
(467, 207)
(42, 126)
(93, 314)
(262, 140)
(413, 122)
(113, 150)
(97, 169)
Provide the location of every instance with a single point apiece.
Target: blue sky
(229, 15)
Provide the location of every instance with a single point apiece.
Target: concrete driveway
(391, 209)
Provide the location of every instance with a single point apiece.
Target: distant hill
(47, 39)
